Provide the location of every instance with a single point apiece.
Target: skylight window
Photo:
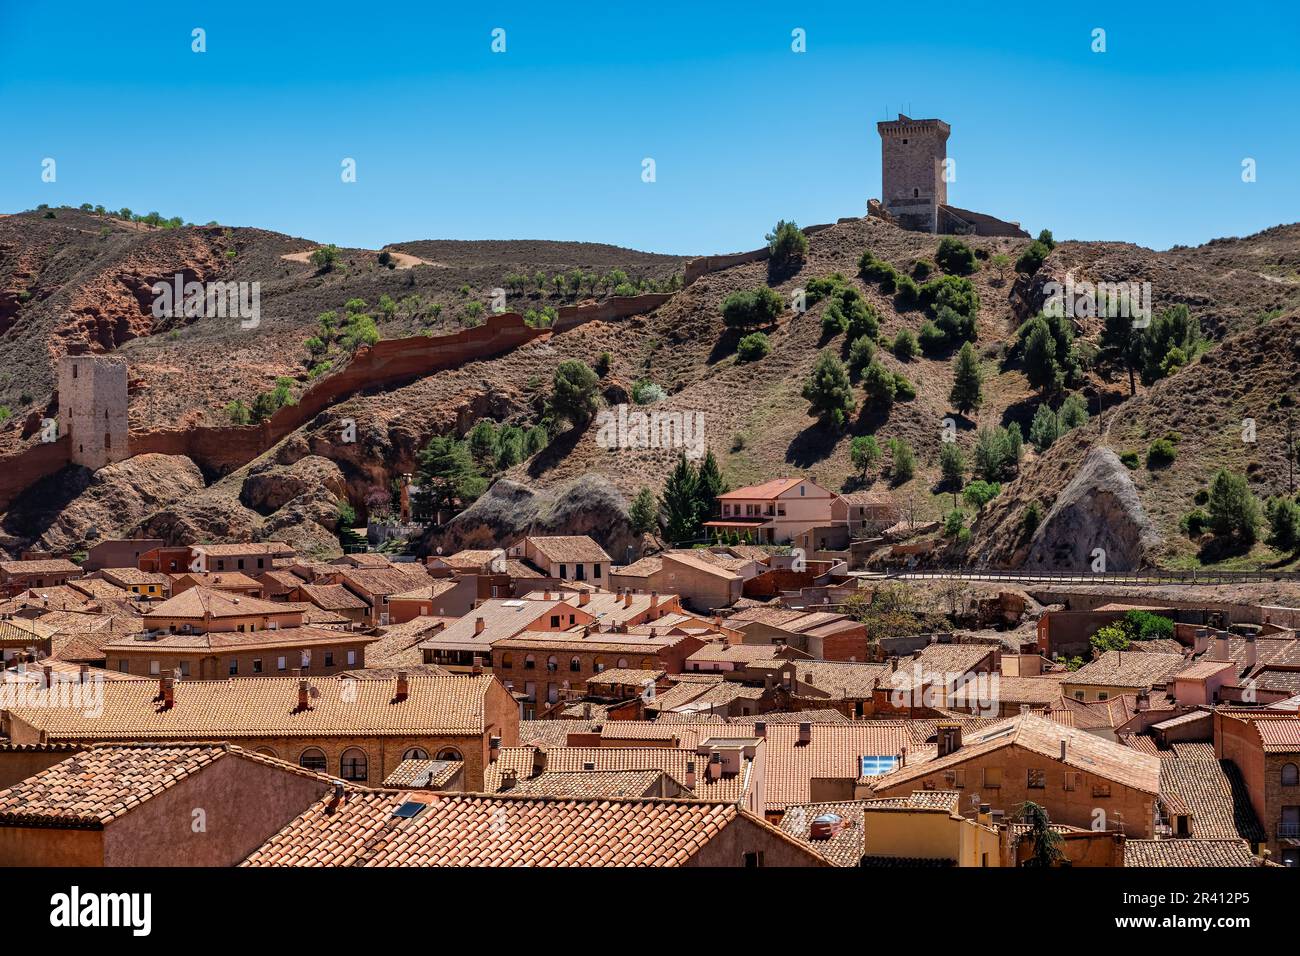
(409, 809)
(873, 765)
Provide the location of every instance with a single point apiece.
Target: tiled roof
(590, 783)
(501, 830)
(1187, 853)
(1279, 735)
(1126, 669)
(268, 706)
(1216, 796)
(1084, 751)
(398, 644)
(554, 733)
(43, 566)
(20, 630)
(332, 597)
(128, 576)
(945, 800)
(840, 680)
(94, 787)
(768, 489)
(424, 774)
(239, 640)
(201, 602)
(426, 592)
(625, 675)
(718, 651)
(387, 580)
(671, 760)
(569, 548)
(243, 548)
(842, 849)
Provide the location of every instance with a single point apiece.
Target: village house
(376, 585)
(392, 827)
(439, 598)
(1264, 745)
(147, 584)
(251, 557)
(1070, 773)
(357, 729)
(119, 553)
(126, 805)
(777, 511)
(824, 635)
(468, 642)
(1119, 672)
(18, 576)
(217, 654)
(704, 581)
(334, 598)
(566, 557)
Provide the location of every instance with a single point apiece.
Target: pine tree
(968, 381)
(644, 513)
(447, 476)
(573, 395)
(709, 484)
(1045, 428)
(679, 503)
(828, 392)
(952, 463)
(864, 452)
(1041, 367)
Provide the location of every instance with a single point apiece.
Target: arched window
(1290, 775)
(415, 753)
(622, 662)
(312, 758)
(575, 663)
(353, 765)
(648, 664)
(449, 753)
(506, 661)
(598, 665)
(530, 663)
(552, 663)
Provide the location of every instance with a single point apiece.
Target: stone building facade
(92, 409)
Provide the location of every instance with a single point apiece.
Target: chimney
(83, 673)
(760, 728)
(690, 775)
(654, 600)
(1201, 643)
(627, 599)
(713, 769)
(805, 734)
(403, 686)
(985, 815)
(304, 698)
(168, 693)
(586, 710)
(339, 795)
(509, 778)
(1222, 647)
(1063, 748)
(902, 756)
(539, 761)
(1143, 700)
(948, 739)
(479, 624)
(1252, 655)
(546, 595)
(476, 668)
(893, 664)
(47, 674)
(583, 598)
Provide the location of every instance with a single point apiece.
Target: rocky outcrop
(271, 485)
(117, 497)
(510, 510)
(1099, 508)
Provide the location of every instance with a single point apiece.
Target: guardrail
(1154, 576)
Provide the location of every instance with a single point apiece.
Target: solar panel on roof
(875, 764)
(409, 809)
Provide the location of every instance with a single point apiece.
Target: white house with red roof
(778, 511)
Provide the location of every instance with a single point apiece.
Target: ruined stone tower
(92, 409)
(912, 154)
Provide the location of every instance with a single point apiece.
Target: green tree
(905, 345)
(979, 493)
(1284, 523)
(573, 392)
(996, 452)
(1002, 262)
(904, 461)
(955, 257)
(448, 478)
(1031, 260)
(387, 306)
(879, 384)
(535, 439)
(324, 259)
(746, 308)
(510, 447)
(952, 463)
(484, 445)
(1073, 413)
(1045, 428)
(787, 246)
(679, 503)
(239, 412)
(828, 391)
(643, 516)
(968, 381)
(358, 330)
(1234, 512)
(1044, 842)
(1041, 367)
(709, 485)
(753, 347)
(864, 452)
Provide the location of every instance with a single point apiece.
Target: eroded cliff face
(1099, 508)
(510, 510)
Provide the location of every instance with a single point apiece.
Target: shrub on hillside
(905, 345)
(1161, 453)
(1234, 512)
(753, 347)
(1031, 260)
(788, 247)
(955, 257)
(752, 307)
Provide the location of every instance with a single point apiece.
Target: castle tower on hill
(92, 409)
(914, 178)
(912, 154)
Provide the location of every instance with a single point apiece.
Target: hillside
(755, 420)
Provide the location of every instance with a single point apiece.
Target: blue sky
(1141, 143)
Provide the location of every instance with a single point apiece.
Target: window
(754, 859)
(234, 666)
(580, 572)
(575, 663)
(154, 668)
(992, 777)
(1037, 779)
(257, 665)
(267, 752)
(312, 759)
(622, 662)
(124, 666)
(352, 765)
(1103, 695)
(552, 663)
(352, 658)
(185, 668)
(507, 661)
(415, 753)
(555, 621)
(449, 753)
(564, 570)
(916, 194)
(1101, 790)
(595, 570)
(530, 662)
(329, 658)
(1290, 775)
(280, 664)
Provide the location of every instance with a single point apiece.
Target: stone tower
(912, 154)
(92, 409)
